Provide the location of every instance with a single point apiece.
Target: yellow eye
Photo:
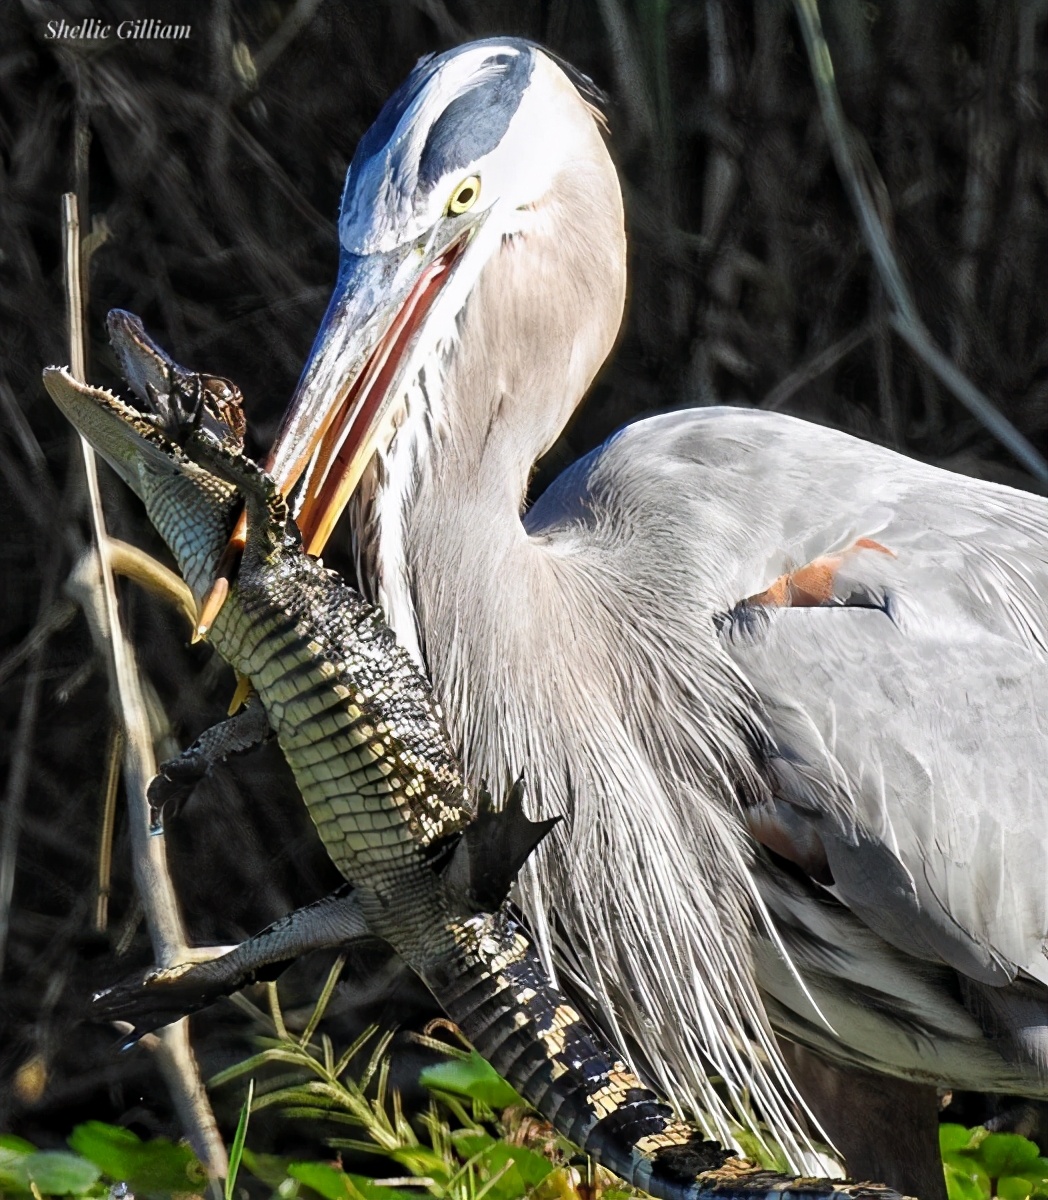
(465, 195)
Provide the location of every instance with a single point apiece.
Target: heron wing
(892, 621)
(916, 761)
(898, 648)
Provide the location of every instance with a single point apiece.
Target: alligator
(428, 865)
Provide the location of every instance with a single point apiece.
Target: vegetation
(476, 1140)
(979, 1164)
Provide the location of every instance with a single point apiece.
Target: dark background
(216, 165)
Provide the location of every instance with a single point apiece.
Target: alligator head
(191, 508)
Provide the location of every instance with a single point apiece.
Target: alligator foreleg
(179, 775)
(167, 993)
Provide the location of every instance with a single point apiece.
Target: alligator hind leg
(178, 776)
(168, 993)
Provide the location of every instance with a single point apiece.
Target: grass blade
(236, 1151)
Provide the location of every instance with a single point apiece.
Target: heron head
(481, 280)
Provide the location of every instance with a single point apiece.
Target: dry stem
(152, 878)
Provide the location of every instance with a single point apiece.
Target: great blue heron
(787, 687)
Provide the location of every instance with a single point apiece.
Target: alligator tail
(496, 990)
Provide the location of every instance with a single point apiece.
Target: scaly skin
(370, 754)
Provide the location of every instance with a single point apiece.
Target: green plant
(101, 1155)
(479, 1140)
(980, 1164)
(25, 1170)
(236, 1151)
(476, 1140)
(482, 1142)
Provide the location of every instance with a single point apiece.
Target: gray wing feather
(904, 741)
(909, 737)
(916, 759)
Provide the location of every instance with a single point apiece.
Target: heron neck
(472, 565)
(463, 584)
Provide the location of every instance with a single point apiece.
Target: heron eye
(465, 195)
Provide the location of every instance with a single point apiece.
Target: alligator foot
(267, 510)
(168, 993)
(179, 776)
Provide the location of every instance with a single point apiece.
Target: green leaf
(1014, 1187)
(59, 1173)
(272, 1169)
(1007, 1154)
(527, 1169)
(469, 1142)
(530, 1166)
(153, 1168)
(954, 1137)
(417, 1160)
(331, 1182)
(473, 1077)
(372, 1191)
(236, 1151)
(968, 1181)
(335, 1184)
(11, 1173)
(9, 1141)
(54, 1172)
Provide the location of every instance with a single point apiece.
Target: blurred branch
(292, 25)
(152, 879)
(21, 761)
(653, 17)
(633, 92)
(15, 419)
(818, 365)
(55, 618)
(722, 174)
(904, 318)
(150, 868)
(105, 838)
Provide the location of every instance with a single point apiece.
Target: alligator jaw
(190, 508)
(181, 400)
(126, 438)
(143, 363)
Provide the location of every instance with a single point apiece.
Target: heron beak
(346, 404)
(344, 407)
